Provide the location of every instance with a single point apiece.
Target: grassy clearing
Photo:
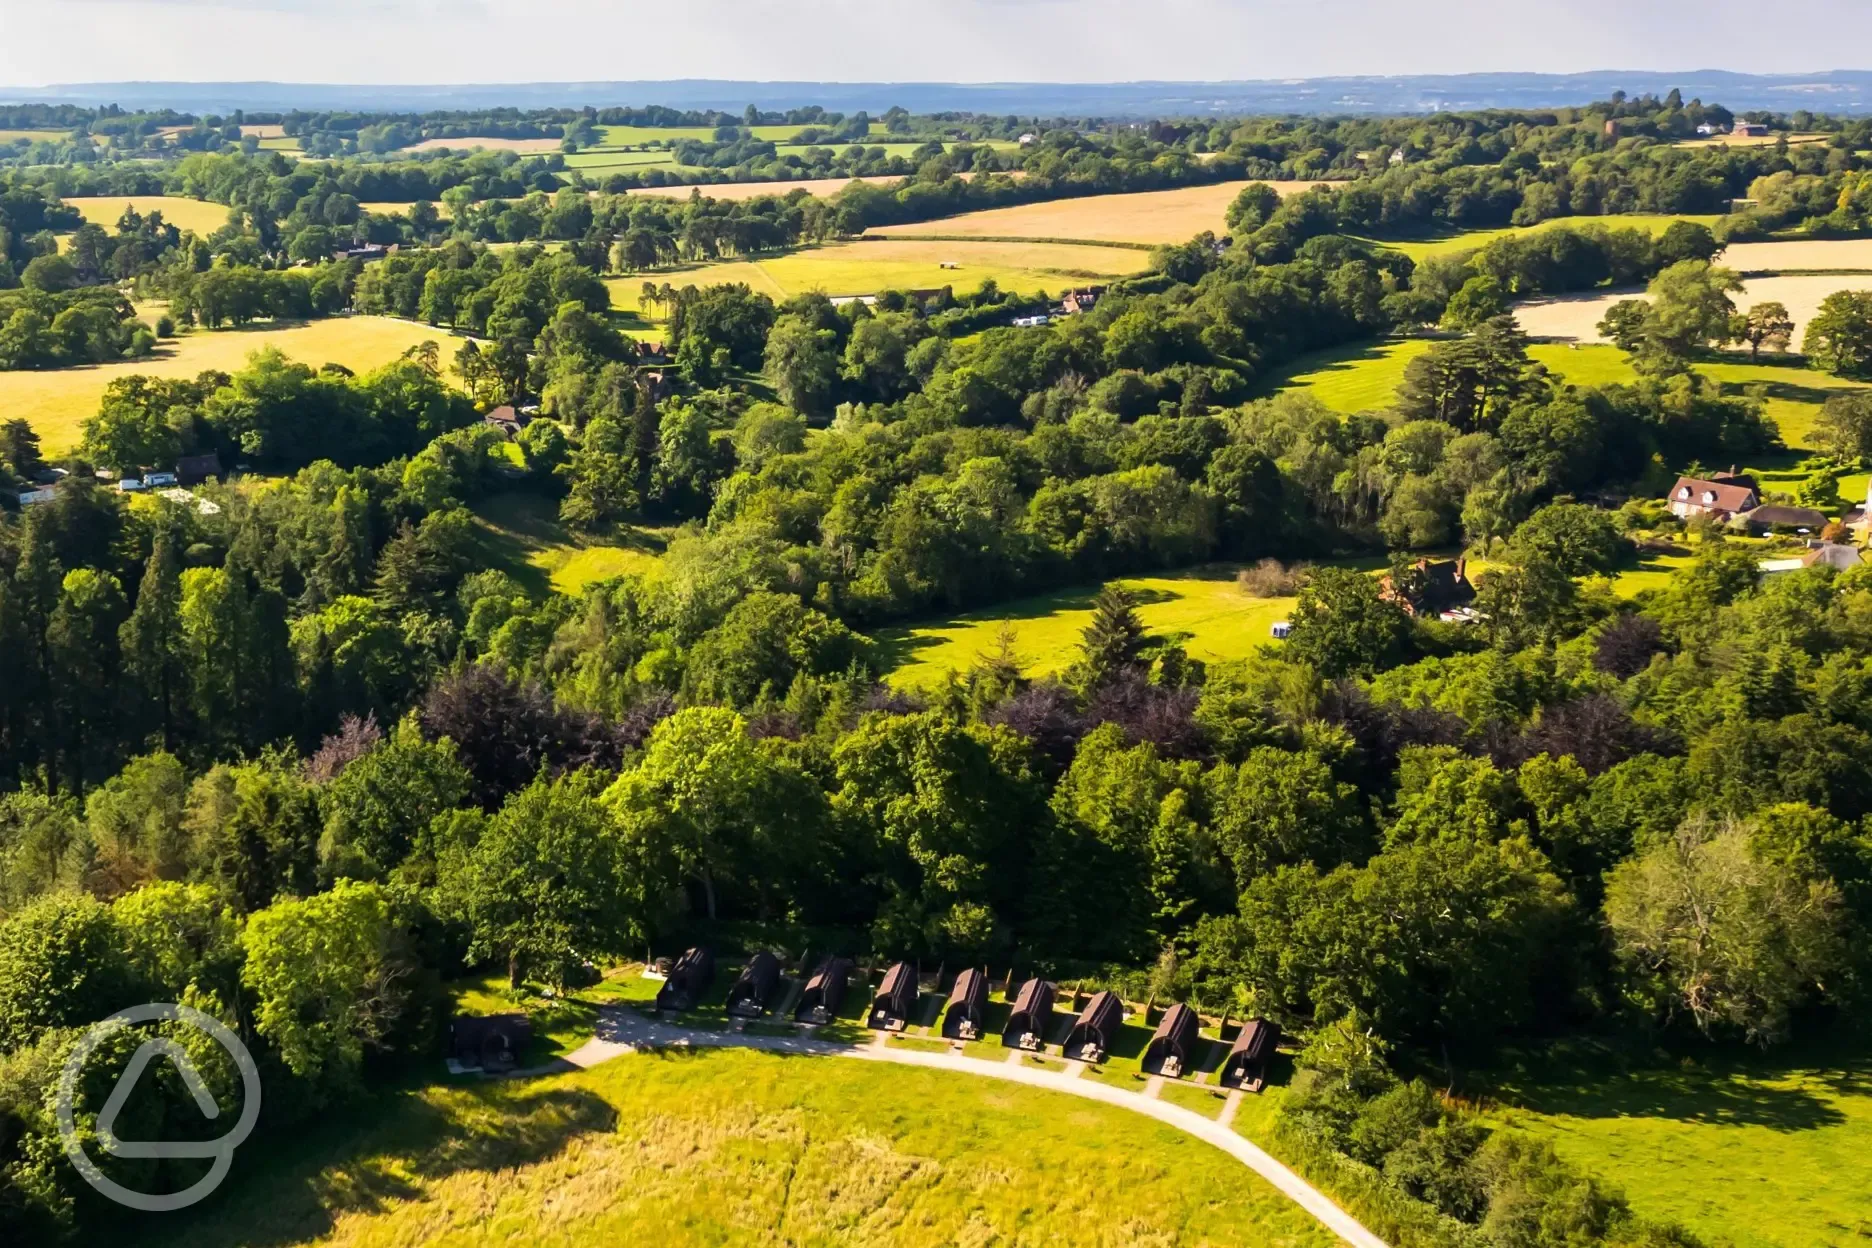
(198, 215)
(867, 267)
(1203, 605)
(1469, 240)
(59, 401)
(520, 534)
(1144, 217)
(1754, 1150)
(734, 1146)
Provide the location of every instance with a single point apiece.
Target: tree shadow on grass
(294, 1189)
(1778, 1091)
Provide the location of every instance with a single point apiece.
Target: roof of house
(1792, 517)
(1833, 555)
(1720, 493)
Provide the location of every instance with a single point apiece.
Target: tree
(60, 966)
(329, 977)
(1282, 808)
(1481, 299)
(1844, 427)
(1112, 643)
(802, 365)
(545, 887)
(377, 811)
(1839, 337)
(1577, 539)
(1470, 383)
(1709, 929)
(1342, 627)
(1691, 308)
(1767, 325)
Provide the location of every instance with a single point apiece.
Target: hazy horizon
(422, 42)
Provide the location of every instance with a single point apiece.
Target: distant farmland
(1577, 317)
(523, 146)
(198, 215)
(868, 267)
(1142, 217)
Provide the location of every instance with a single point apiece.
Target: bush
(1270, 578)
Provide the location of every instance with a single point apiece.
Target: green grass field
(735, 1147)
(57, 402)
(1203, 605)
(520, 534)
(1752, 1150)
(1469, 240)
(873, 265)
(631, 136)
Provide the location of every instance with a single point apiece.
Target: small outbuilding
(896, 998)
(751, 992)
(491, 1042)
(688, 980)
(1248, 1057)
(967, 1008)
(1174, 1042)
(1033, 1011)
(825, 992)
(1097, 1026)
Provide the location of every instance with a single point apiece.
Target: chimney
(1462, 567)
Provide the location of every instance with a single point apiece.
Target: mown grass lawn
(1756, 1150)
(738, 1147)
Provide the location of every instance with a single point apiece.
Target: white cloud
(439, 41)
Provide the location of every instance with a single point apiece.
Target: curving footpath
(622, 1030)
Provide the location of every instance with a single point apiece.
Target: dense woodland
(300, 758)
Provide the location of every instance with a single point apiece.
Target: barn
(755, 988)
(825, 992)
(1248, 1057)
(688, 980)
(1174, 1043)
(1097, 1025)
(967, 1008)
(1033, 1010)
(896, 998)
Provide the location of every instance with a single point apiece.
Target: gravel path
(623, 1030)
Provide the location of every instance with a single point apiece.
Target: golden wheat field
(1576, 317)
(1141, 217)
(199, 215)
(57, 402)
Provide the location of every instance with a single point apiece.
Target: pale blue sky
(454, 41)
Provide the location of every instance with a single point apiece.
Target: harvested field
(523, 146)
(1144, 217)
(263, 132)
(867, 267)
(754, 190)
(57, 402)
(33, 136)
(1576, 317)
(393, 209)
(198, 215)
(1819, 253)
(1750, 140)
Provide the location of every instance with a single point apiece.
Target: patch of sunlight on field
(738, 1147)
(520, 534)
(1141, 217)
(866, 268)
(57, 402)
(1204, 607)
(1354, 379)
(1470, 240)
(199, 215)
(1755, 1150)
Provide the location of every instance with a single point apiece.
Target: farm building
(895, 1000)
(967, 1008)
(1776, 516)
(1248, 1057)
(491, 1043)
(688, 980)
(1033, 1011)
(1174, 1042)
(751, 992)
(1435, 586)
(825, 992)
(1082, 299)
(1749, 130)
(195, 469)
(1098, 1023)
